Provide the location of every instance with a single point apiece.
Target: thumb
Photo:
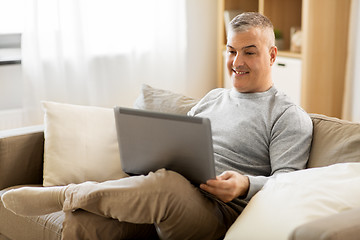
(224, 176)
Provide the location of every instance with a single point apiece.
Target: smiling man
(251, 52)
(257, 133)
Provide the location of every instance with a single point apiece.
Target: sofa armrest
(344, 225)
(21, 156)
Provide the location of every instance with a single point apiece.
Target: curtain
(99, 52)
(351, 106)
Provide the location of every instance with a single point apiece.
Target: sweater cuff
(256, 183)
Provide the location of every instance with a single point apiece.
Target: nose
(237, 61)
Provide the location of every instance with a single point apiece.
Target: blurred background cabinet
(286, 74)
(319, 72)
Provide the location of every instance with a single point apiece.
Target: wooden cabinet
(284, 14)
(324, 31)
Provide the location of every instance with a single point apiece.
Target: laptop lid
(149, 141)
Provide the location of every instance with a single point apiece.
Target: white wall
(202, 46)
(10, 96)
(351, 104)
(355, 116)
(10, 86)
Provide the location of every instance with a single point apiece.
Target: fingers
(216, 191)
(207, 188)
(222, 181)
(227, 186)
(221, 187)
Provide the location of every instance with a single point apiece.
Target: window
(11, 27)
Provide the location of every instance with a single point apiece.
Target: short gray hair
(247, 20)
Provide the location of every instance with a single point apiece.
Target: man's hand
(227, 186)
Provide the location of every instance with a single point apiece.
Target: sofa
(299, 206)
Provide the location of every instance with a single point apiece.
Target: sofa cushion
(45, 227)
(160, 100)
(80, 144)
(342, 226)
(291, 199)
(334, 141)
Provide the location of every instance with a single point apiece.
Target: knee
(169, 178)
(171, 182)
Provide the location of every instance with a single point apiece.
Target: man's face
(249, 60)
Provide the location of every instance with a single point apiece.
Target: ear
(273, 54)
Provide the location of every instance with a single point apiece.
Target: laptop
(149, 141)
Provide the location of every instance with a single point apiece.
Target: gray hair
(247, 20)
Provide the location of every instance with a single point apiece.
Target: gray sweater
(256, 134)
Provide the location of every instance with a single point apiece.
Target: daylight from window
(11, 16)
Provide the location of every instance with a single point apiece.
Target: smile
(240, 72)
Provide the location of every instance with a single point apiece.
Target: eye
(250, 53)
(231, 52)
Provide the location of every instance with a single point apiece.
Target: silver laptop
(149, 141)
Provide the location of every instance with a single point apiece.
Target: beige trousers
(163, 201)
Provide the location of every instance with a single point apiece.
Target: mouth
(240, 72)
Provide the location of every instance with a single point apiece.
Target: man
(257, 133)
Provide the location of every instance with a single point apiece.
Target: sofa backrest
(334, 141)
(21, 156)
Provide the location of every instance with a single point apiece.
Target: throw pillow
(292, 199)
(334, 141)
(80, 144)
(160, 100)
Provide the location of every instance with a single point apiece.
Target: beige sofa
(21, 163)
